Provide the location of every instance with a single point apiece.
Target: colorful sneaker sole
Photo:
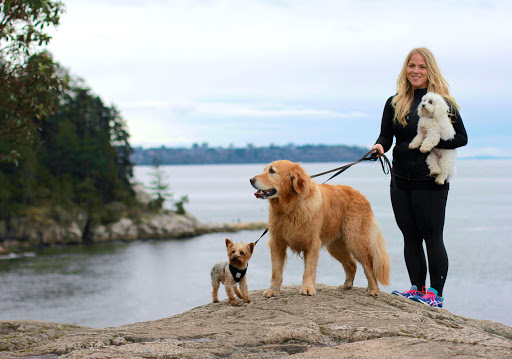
(403, 295)
(431, 303)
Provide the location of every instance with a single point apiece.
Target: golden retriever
(304, 215)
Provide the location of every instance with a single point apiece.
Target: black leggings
(420, 216)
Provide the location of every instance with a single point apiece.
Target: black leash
(266, 230)
(372, 155)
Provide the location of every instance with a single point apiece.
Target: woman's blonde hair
(405, 94)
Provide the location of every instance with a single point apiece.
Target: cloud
(172, 67)
(244, 110)
(148, 104)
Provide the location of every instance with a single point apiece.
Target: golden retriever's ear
(298, 180)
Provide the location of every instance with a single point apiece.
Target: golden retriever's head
(281, 179)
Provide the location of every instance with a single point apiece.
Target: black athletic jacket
(409, 166)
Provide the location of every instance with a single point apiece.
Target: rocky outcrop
(22, 234)
(331, 324)
(38, 228)
(25, 334)
(50, 226)
(162, 225)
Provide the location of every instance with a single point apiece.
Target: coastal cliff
(25, 233)
(48, 227)
(331, 324)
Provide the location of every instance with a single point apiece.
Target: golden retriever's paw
(306, 290)
(268, 293)
(345, 286)
(372, 292)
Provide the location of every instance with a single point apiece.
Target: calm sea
(120, 283)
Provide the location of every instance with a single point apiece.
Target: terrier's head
(239, 253)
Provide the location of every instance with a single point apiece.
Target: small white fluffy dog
(435, 125)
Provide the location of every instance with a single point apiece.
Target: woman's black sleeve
(386, 127)
(461, 137)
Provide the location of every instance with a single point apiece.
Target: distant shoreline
(477, 158)
(247, 155)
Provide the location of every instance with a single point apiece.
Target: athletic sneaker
(431, 298)
(409, 294)
(417, 297)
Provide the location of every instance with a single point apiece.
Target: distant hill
(204, 154)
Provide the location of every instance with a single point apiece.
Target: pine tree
(159, 185)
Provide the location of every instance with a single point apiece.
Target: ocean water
(120, 283)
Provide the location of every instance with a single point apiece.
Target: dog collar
(238, 274)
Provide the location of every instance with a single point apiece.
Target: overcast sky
(238, 72)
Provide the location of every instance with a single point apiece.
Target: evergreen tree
(80, 157)
(69, 147)
(159, 185)
(29, 82)
(88, 142)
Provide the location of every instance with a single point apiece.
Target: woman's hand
(378, 147)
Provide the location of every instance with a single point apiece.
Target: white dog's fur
(435, 125)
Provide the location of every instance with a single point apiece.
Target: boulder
(331, 324)
(39, 229)
(161, 225)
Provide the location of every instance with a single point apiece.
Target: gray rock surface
(40, 228)
(332, 324)
(36, 229)
(25, 334)
(26, 233)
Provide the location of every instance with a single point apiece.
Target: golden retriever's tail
(381, 261)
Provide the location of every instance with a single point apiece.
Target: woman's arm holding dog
(430, 141)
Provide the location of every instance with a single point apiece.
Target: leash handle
(385, 164)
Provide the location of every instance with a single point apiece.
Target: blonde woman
(418, 202)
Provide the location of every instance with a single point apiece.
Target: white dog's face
(432, 105)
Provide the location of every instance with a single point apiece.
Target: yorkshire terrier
(232, 273)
